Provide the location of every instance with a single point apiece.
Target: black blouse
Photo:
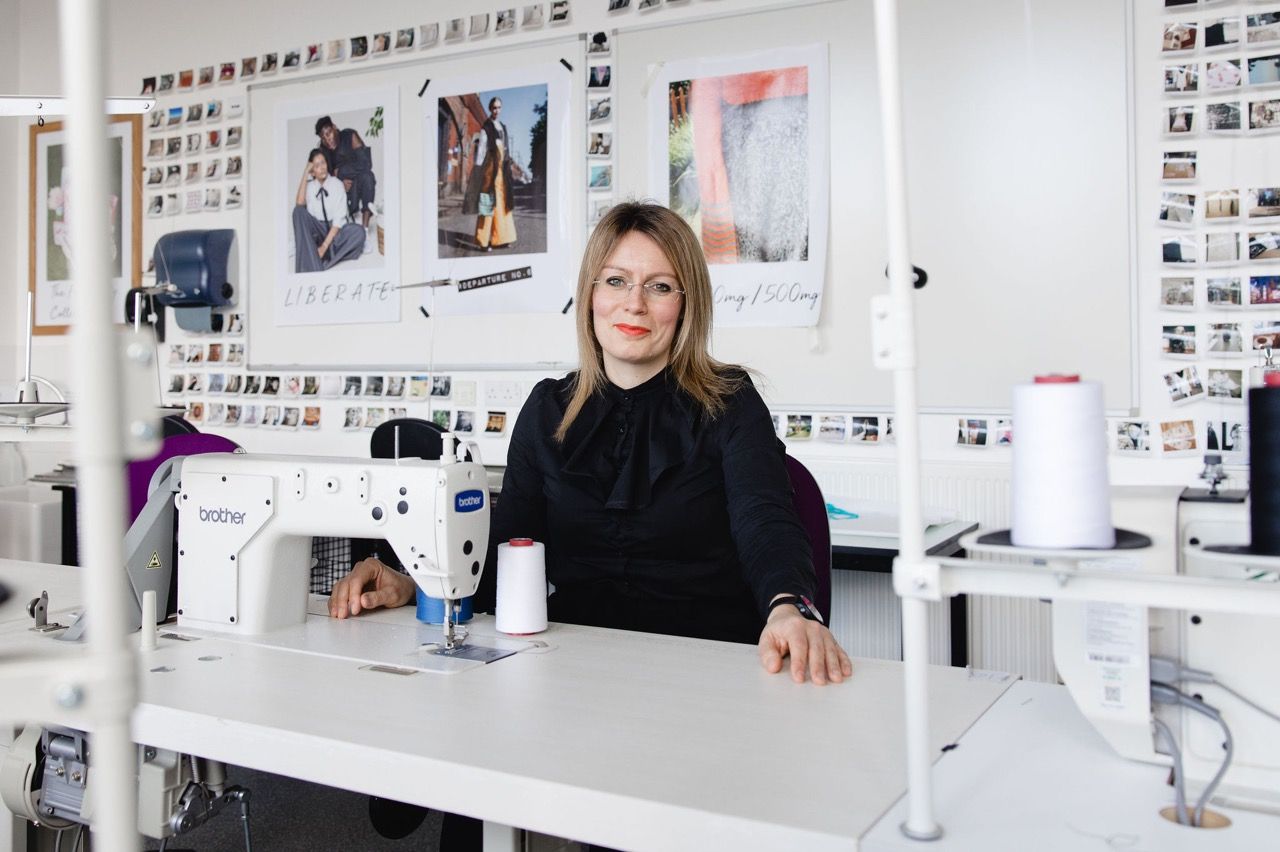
(654, 516)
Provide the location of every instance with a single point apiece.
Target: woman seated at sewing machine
(653, 474)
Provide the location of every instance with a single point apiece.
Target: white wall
(146, 37)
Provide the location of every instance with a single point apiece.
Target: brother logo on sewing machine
(221, 516)
(469, 501)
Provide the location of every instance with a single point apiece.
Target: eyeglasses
(654, 291)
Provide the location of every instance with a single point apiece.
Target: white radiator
(1005, 634)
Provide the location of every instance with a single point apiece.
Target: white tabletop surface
(624, 739)
(1033, 774)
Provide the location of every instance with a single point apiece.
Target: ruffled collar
(663, 421)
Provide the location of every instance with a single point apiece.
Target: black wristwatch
(800, 602)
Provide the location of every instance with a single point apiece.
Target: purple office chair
(811, 508)
(181, 444)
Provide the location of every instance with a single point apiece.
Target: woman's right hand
(369, 585)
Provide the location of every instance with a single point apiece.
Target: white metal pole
(31, 329)
(920, 824)
(99, 434)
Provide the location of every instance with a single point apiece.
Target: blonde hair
(707, 381)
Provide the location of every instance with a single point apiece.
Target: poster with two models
(738, 146)
(495, 223)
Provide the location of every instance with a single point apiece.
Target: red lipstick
(630, 330)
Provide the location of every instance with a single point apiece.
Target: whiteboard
(543, 342)
(1020, 195)
(1019, 158)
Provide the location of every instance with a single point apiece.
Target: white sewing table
(632, 740)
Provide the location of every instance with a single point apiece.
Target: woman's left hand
(810, 645)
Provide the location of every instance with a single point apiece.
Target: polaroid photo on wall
(252, 384)
(833, 427)
(599, 144)
(972, 432)
(177, 383)
(271, 417)
(1264, 245)
(799, 427)
(464, 422)
(359, 51)
(1182, 79)
(173, 146)
(195, 412)
(1178, 341)
(1264, 290)
(1222, 33)
(441, 386)
(311, 417)
(291, 386)
(599, 76)
(353, 386)
(213, 110)
(227, 72)
(1225, 338)
(270, 64)
(172, 174)
(165, 84)
(1184, 385)
(155, 149)
(193, 201)
(1264, 116)
(212, 199)
(235, 165)
(330, 385)
(419, 387)
(250, 415)
(193, 143)
(290, 416)
(1264, 71)
(1228, 437)
(195, 113)
(1263, 203)
(428, 35)
(1262, 28)
(619, 5)
(195, 383)
(559, 11)
(1180, 120)
(177, 354)
(405, 38)
(397, 413)
(233, 414)
(212, 169)
(646, 5)
(193, 172)
(248, 68)
(1178, 293)
(335, 50)
(373, 385)
(235, 383)
(599, 109)
(495, 423)
(172, 204)
(270, 385)
(599, 207)
(600, 177)
(1002, 433)
(1177, 209)
(1223, 117)
(235, 135)
(157, 119)
(1179, 250)
(532, 16)
(479, 25)
(1225, 384)
(864, 430)
(1179, 37)
(1179, 166)
(455, 29)
(1178, 437)
(235, 353)
(205, 76)
(1222, 248)
(311, 385)
(292, 60)
(1132, 436)
(442, 417)
(394, 387)
(598, 44)
(213, 140)
(1221, 205)
(380, 44)
(148, 86)
(1222, 75)
(215, 383)
(505, 22)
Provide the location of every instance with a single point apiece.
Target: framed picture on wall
(49, 249)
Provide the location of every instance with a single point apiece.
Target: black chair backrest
(419, 439)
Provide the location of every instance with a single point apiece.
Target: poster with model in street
(495, 144)
(738, 146)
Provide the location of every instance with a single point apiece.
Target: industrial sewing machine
(245, 524)
(1109, 654)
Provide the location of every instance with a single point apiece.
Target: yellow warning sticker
(155, 559)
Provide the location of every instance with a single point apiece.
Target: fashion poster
(738, 147)
(52, 205)
(337, 209)
(492, 228)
